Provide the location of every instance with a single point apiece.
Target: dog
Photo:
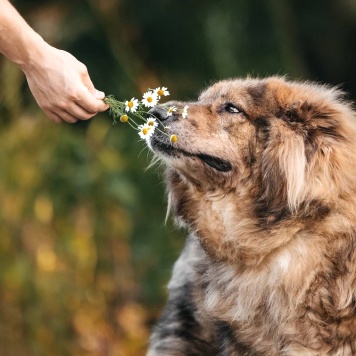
(263, 177)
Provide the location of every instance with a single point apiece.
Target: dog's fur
(264, 178)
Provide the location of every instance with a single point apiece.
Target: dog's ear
(292, 138)
(283, 173)
(283, 166)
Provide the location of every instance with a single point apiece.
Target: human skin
(58, 81)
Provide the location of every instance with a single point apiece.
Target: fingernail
(99, 94)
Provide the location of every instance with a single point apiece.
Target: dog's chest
(260, 312)
(235, 297)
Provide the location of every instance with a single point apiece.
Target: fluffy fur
(263, 177)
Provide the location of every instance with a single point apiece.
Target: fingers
(67, 117)
(88, 102)
(74, 112)
(62, 87)
(70, 113)
(99, 94)
(78, 112)
(53, 116)
(92, 103)
(87, 81)
(59, 117)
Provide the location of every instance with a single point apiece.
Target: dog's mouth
(217, 163)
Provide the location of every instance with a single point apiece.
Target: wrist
(33, 53)
(18, 41)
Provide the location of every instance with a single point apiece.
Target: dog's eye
(232, 108)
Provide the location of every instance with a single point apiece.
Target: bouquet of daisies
(129, 110)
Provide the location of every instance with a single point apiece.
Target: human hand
(61, 86)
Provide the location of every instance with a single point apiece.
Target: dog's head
(275, 145)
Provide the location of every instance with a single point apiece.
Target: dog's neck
(227, 228)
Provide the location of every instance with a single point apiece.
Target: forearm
(59, 82)
(18, 41)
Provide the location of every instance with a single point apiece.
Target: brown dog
(264, 178)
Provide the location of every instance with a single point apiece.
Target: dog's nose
(158, 113)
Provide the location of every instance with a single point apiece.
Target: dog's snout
(159, 113)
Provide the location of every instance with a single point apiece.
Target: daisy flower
(150, 99)
(124, 118)
(145, 131)
(161, 91)
(185, 112)
(131, 105)
(126, 111)
(173, 138)
(152, 122)
(171, 110)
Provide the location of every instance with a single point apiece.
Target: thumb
(89, 84)
(99, 94)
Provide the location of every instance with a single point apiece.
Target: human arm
(59, 82)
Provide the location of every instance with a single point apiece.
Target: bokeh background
(84, 251)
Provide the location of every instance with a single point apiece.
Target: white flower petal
(131, 105)
(150, 99)
(161, 91)
(185, 112)
(145, 131)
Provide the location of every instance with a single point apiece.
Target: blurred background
(84, 252)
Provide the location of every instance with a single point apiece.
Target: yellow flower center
(149, 99)
(130, 104)
(124, 118)
(151, 123)
(145, 130)
(160, 92)
(174, 138)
